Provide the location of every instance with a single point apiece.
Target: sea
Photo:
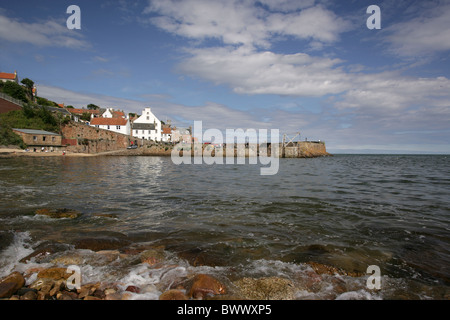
(374, 219)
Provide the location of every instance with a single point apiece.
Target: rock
(43, 250)
(7, 289)
(57, 287)
(205, 285)
(113, 296)
(92, 298)
(152, 256)
(98, 293)
(41, 283)
(270, 288)
(69, 258)
(54, 273)
(67, 295)
(43, 295)
(99, 244)
(87, 289)
(58, 213)
(11, 284)
(173, 294)
(133, 289)
(63, 296)
(29, 295)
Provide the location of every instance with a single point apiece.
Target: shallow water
(346, 211)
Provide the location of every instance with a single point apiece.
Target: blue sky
(310, 66)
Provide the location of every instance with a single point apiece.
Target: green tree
(86, 116)
(29, 85)
(92, 106)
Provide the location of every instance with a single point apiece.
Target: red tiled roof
(108, 121)
(118, 114)
(9, 76)
(167, 131)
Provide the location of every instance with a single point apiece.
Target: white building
(119, 125)
(147, 126)
(111, 113)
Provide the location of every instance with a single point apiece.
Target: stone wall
(306, 149)
(92, 140)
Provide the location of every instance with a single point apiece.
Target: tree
(92, 106)
(29, 85)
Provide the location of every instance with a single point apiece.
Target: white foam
(19, 248)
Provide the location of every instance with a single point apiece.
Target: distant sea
(345, 211)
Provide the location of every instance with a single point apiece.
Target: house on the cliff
(119, 125)
(78, 113)
(166, 135)
(147, 126)
(4, 77)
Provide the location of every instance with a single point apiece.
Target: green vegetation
(92, 106)
(39, 118)
(30, 118)
(14, 90)
(9, 138)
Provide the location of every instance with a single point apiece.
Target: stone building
(40, 140)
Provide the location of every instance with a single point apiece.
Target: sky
(308, 66)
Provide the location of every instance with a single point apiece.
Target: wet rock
(99, 294)
(67, 295)
(87, 290)
(41, 283)
(29, 295)
(152, 256)
(270, 288)
(44, 250)
(205, 285)
(11, 284)
(99, 244)
(133, 289)
(54, 273)
(113, 296)
(64, 296)
(69, 258)
(320, 268)
(7, 289)
(58, 213)
(173, 294)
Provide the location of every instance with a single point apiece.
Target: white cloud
(48, 34)
(427, 33)
(250, 72)
(245, 23)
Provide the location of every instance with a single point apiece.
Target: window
(148, 118)
(43, 138)
(34, 138)
(118, 127)
(53, 139)
(108, 127)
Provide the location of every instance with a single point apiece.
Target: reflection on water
(349, 211)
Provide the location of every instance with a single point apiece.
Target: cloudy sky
(307, 66)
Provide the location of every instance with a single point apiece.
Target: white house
(147, 126)
(166, 135)
(111, 113)
(119, 125)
